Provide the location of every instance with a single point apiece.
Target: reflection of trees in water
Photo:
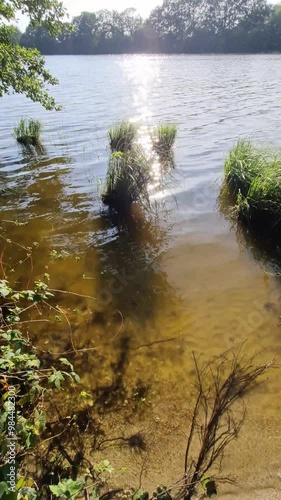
(256, 242)
(42, 209)
(39, 181)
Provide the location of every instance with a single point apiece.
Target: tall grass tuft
(27, 132)
(253, 178)
(127, 181)
(163, 139)
(122, 137)
(243, 164)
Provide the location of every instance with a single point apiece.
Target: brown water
(188, 277)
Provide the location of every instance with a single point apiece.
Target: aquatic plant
(122, 136)
(127, 180)
(27, 132)
(243, 164)
(253, 178)
(163, 139)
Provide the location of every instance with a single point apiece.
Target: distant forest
(177, 26)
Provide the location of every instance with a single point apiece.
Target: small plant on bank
(127, 181)
(25, 382)
(122, 137)
(27, 132)
(163, 139)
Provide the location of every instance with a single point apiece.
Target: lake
(191, 280)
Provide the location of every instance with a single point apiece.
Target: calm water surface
(188, 275)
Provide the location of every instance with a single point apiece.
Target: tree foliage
(22, 69)
(180, 26)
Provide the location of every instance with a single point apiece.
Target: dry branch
(218, 414)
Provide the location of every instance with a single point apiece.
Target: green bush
(122, 137)
(27, 132)
(32, 381)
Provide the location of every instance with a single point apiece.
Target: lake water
(190, 275)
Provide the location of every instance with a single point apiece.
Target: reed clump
(253, 178)
(127, 180)
(163, 139)
(130, 169)
(27, 132)
(122, 137)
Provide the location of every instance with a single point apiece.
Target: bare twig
(219, 386)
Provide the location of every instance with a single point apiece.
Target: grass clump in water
(27, 132)
(244, 163)
(253, 178)
(122, 137)
(163, 139)
(127, 181)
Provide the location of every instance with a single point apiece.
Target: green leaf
(76, 377)
(5, 290)
(56, 378)
(68, 488)
(3, 488)
(85, 395)
(66, 362)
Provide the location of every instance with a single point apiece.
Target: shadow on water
(131, 279)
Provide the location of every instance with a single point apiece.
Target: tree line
(177, 26)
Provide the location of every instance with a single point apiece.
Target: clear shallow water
(191, 277)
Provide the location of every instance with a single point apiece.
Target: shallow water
(189, 277)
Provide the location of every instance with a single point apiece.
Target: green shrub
(24, 372)
(253, 178)
(163, 139)
(27, 132)
(127, 180)
(122, 136)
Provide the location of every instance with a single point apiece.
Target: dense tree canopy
(180, 26)
(188, 26)
(22, 69)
